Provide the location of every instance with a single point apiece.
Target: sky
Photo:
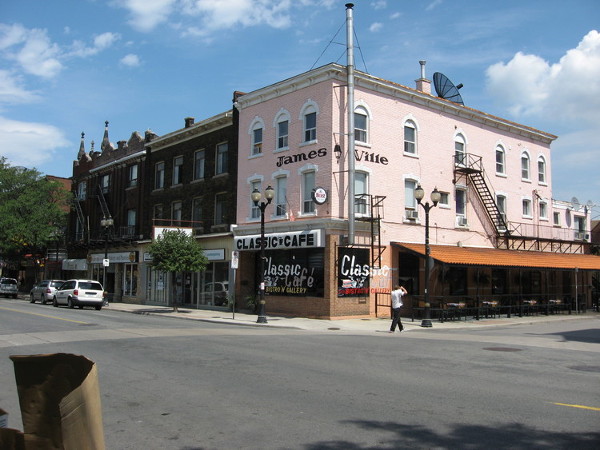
(67, 66)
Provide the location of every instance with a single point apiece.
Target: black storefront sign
(353, 272)
(296, 272)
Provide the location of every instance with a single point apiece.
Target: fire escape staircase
(471, 166)
(80, 218)
(103, 204)
(374, 219)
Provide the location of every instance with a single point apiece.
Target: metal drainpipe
(350, 106)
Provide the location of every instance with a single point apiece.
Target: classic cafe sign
(282, 241)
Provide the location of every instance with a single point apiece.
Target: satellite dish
(575, 203)
(446, 89)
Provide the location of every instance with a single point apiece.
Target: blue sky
(66, 66)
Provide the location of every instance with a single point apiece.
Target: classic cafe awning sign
(282, 241)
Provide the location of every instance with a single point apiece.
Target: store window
(130, 279)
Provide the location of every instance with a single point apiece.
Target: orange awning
(475, 256)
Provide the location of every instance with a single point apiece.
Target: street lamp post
(106, 223)
(256, 197)
(435, 198)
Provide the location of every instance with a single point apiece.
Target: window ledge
(411, 155)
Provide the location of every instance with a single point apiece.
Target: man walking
(397, 303)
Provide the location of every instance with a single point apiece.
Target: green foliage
(30, 209)
(175, 251)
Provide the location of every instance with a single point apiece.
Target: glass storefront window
(130, 279)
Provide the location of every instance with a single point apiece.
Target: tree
(31, 214)
(177, 252)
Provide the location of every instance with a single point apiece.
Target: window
(197, 212)
(105, 183)
(176, 213)
(255, 209)
(177, 170)
(159, 175)
(360, 192)
(461, 207)
(221, 164)
(543, 210)
(220, 208)
(541, 170)
(199, 161)
(360, 125)
(82, 191)
(556, 218)
(501, 204)
(282, 134)
(459, 150)
(131, 222)
(157, 212)
(500, 161)
(132, 175)
(310, 127)
(525, 166)
(308, 184)
(409, 194)
(526, 207)
(444, 199)
(410, 137)
(280, 196)
(257, 140)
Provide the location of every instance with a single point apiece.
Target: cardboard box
(60, 401)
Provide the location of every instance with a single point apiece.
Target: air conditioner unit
(462, 221)
(412, 214)
(580, 235)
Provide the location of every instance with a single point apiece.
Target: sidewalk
(366, 325)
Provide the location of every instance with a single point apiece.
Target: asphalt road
(179, 384)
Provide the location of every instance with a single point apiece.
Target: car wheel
(15, 296)
(98, 307)
(31, 299)
(70, 303)
(54, 302)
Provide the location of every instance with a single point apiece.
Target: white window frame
(308, 204)
(105, 183)
(543, 210)
(361, 135)
(556, 219)
(464, 191)
(525, 166)
(199, 164)
(82, 190)
(460, 155)
(500, 164)
(281, 204)
(410, 124)
(257, 136)
(282, 140)
(309, 135)
(361, 204)
(526, 208)
(541, 168)
(177, 171)
(132, 175)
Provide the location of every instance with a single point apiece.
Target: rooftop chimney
(189, 121)
(423, 84)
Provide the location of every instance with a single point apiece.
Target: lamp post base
(262, 317)
(426, 323)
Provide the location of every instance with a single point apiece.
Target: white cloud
(29, 144)
(375, 27)
(434, 4)
(569, 90)
(379, 4)
(130, 60)
(12, 92)
(101, 42)
(147, 14)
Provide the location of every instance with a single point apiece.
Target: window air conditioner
(462, 221)
(412, 214)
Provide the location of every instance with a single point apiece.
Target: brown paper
(60, 401)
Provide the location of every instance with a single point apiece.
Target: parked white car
(9, 287)
(44, 291)
(79, 293)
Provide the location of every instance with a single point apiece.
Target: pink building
(494, 177)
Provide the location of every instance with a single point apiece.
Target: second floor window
(221, 160)
(526, 207)
(132, 175)
(308, 184)
(159, 175)
(459, 151)
(282, 134)
(281, 196)
(255, 209)
(197, 213)
(199, 160)
(360, 193)
(105, 183)
(220, 209)
(178, 170)
(461, 202)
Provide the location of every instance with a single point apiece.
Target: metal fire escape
(374, 218)
(471, 166)
(81, 219)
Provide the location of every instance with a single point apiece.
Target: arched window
(500, 160)
(410, 137)
(541, 163)
(460, 150)
(281, 125)
(256, 135)
(361, 125)
(525, 166)
(308, 116)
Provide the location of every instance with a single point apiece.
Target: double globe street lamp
(435, 198)
(256, 198)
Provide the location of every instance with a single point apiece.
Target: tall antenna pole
(350, 106)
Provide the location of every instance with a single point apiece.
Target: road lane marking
(578, 406)
(43, 315)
